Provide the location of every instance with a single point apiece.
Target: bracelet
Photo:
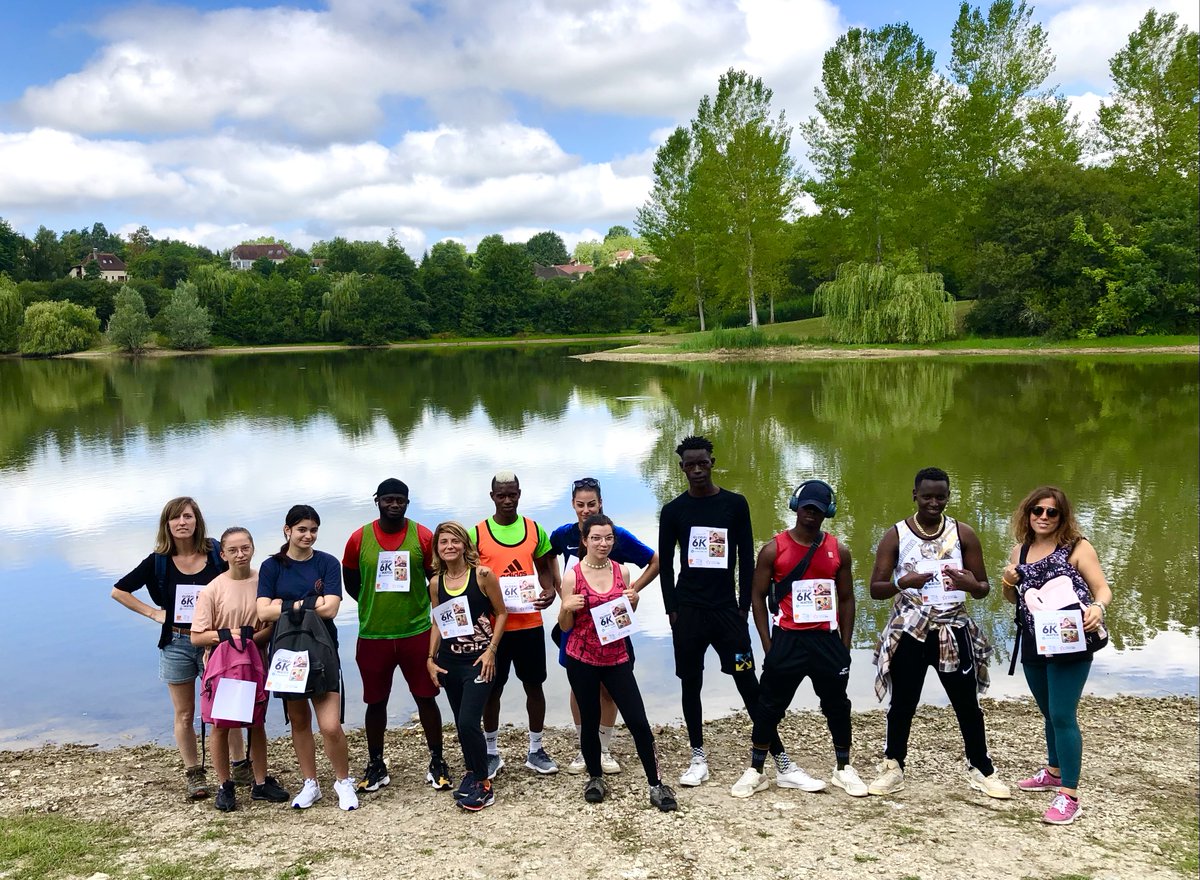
(1004, 581)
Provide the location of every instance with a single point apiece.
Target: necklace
(930, 535)
(459, 576)
(591, 565)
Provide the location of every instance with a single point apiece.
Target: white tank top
(914, 548)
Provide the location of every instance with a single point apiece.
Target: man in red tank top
(803, 575)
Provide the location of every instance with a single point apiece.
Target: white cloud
(321, 75)
(1085, 36)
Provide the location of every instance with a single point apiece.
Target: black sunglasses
(1051, 512)
(586, 483)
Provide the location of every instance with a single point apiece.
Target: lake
(91, 449)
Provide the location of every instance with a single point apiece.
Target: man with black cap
(385, 569)
(802, 585)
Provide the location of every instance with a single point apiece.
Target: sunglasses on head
(586, 483)
(1050, 512)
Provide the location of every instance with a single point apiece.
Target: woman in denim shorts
(183, 561)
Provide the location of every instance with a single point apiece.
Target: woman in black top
(465, 665)
(184, 559)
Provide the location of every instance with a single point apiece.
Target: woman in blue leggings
(1053, 574)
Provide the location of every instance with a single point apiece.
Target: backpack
(241, 664)
(303, 630)
(160, 569)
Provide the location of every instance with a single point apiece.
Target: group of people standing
(461, 609)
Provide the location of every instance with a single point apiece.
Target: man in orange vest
(518, 550)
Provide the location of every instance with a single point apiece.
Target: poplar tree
(745, 182)
(1150, 124)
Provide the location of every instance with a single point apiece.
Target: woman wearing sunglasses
(1053, 574)
(566, 541)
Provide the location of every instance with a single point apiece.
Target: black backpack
(303, 630)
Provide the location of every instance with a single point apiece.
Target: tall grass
(722, 338)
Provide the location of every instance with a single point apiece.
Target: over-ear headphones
(830, 509)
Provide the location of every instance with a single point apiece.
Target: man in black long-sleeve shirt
(711, 526)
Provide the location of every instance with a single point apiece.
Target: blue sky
(215, 122)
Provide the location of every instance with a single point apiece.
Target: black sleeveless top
(467, 648)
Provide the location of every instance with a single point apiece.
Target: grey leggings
(467, 698)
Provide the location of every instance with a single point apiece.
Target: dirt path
(649, 355)
(1140, 799)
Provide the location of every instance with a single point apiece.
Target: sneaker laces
(1061, 803)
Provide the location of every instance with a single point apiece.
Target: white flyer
(614, 620)
(234, 700)
(1059, 632)
(453, 618)
(520, 592)
(392, 573)
(288, 672)
(185, 602)
(938, 590)
(708, 547)
(814, 600)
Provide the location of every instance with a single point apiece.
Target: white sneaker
(577, 765)
(309, 795)
(696, 773)
(797, 778)
(347, 798)
(608, 763)
(848, 781)
(989, 785)
(890, 779)
(752, 781)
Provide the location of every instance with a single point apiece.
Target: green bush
(11, 315)
(129, 326)
(58, 328)
(873, 303)
(186, 324)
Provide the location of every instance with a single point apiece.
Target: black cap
(392, 486)
(814, 494)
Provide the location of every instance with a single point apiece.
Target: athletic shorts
(525, 651)
(797, 654)
(724, 629)
(179, 661)
(378, 660)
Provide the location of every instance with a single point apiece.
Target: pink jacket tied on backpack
(234, 658)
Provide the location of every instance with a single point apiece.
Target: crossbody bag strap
(796, 573)
(1016, 651)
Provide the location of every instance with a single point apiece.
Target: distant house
(316, 265)
(623, 256)
(243, 256)
(566, 270)
(112, 267)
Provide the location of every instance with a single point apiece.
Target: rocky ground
(74, 811)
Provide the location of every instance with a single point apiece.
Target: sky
(215, 122)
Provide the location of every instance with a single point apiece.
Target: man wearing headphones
(802, 585)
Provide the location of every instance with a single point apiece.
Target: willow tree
(873, 303)
(12, 313)
(339, 301)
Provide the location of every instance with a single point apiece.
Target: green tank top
(385, 609)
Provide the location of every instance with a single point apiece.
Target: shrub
(58, 328)
(186, 324)
(129, 326)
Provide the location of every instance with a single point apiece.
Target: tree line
(362, 293)
(970, 181)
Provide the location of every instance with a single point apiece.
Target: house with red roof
(243, 256)
(112, 267)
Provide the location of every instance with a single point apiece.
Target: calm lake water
(90, 450)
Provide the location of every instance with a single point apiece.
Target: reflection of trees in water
(887, 400)
(1119, 436)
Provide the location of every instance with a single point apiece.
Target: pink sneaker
(1063, 810)
(1043, 780)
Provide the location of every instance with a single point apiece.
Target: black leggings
(622, 687)
(910, 660)
(467, 698)
(693, 710)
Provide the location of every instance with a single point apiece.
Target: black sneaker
(226, 797)
(481, 795)
(270, 790)
(375, 776)
(438, 774)
(663, 797)
(595, 790)
(464, 787)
